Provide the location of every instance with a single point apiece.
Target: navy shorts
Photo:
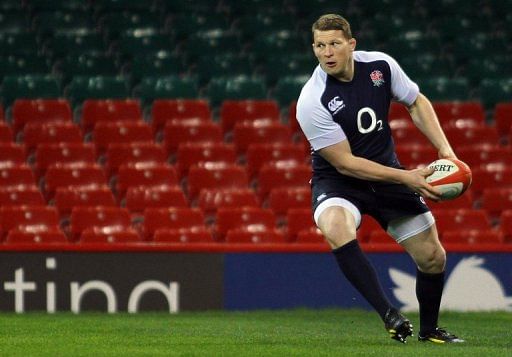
(383, 201)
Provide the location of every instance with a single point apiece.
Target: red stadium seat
(412, 156)
(23, 236)
(28, 218)
(282, 174)
(183, 235)
(35, 134)
(105, 219)
(265, 235)
(164, 110)
(118, 154)
(40, 111)
(215, 175)
(282, 199)
(299, 220)
(490, 175)
(473, 236)
(139, 198)
(450, 111)
(96, 110)
(398, 111)
(503, 118)
(171, 218)
(109, 235)
(194, 153)
(409, 136)
(48, 154)
(6, 134)
(292, 118)
(144, 174)
(177, 132)
(506, 224)
(461, 219)
(106, 133)
(495, 200)
(464, 201)
(21, 195)
(235, 111)
(72, 175)
(380, 236)
(210, 200)
(472, 136)
(477, 155)
(259, 154)
(250, 218)
(12, 174)
(260, 132)
(66, 198)
(11, 153)
(312, 235)
(367, 226)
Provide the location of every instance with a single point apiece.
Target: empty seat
(490, 175)
(72, 175)
(96, 87)
(163, 110)
(398, 111)
(156, 219)
(409, 136)
(118, 154)
(84, 63)
(505, 225)
(412, 155)
(21, 195)
(190, 153)
(464, 201)
(166, 87)
(236, 88)
(367, 226)
(99, 218)
(461, 219)
(95, 110)
(259, 154)
(28, 86)
(210, 200)
(282, 199)
(23, 236)
(137, 199)
(144, 174)
(288, 88)
(13, 174)
(450, 111)
(259, 132)
(380, 237)
(106, 133)
(183, 235)
(495, 200)
(177, 132)
(48, 154)
(299, 220)
(503, 118)
(35, 134)
(109, 235)
(481, 154)
(39, 110)
(255, 236)
(28, 218)
(66, 198)
(234, 111)
(249, 218)
(472, 136)
(11, 153)
(282, 174)
(473, 236)
(215, 175)
(6, 134)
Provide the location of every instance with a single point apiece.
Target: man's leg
(339, 228)
(430, 257)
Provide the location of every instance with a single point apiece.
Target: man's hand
(416, 180)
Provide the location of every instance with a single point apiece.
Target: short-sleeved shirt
(330, 111)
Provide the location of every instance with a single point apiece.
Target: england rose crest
(377, 78)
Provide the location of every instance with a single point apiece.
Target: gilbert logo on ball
(451, 176)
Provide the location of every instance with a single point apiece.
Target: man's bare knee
(337, 226)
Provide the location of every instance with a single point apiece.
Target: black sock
(358, 270)
(429, 290)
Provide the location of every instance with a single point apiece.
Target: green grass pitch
(301, 332)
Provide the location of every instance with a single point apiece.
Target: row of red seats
(184, 224)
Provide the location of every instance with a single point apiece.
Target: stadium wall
(173, 280)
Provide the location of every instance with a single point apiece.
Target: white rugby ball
(451, 176)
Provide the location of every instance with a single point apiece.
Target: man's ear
(352, 42)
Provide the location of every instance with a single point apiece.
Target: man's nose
(328, 51)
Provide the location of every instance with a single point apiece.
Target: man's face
(334, 53)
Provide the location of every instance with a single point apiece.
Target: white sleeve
(404, 90)
(317, 124)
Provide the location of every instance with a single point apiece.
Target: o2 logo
(374, 123)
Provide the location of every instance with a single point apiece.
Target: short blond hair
(332, 22)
